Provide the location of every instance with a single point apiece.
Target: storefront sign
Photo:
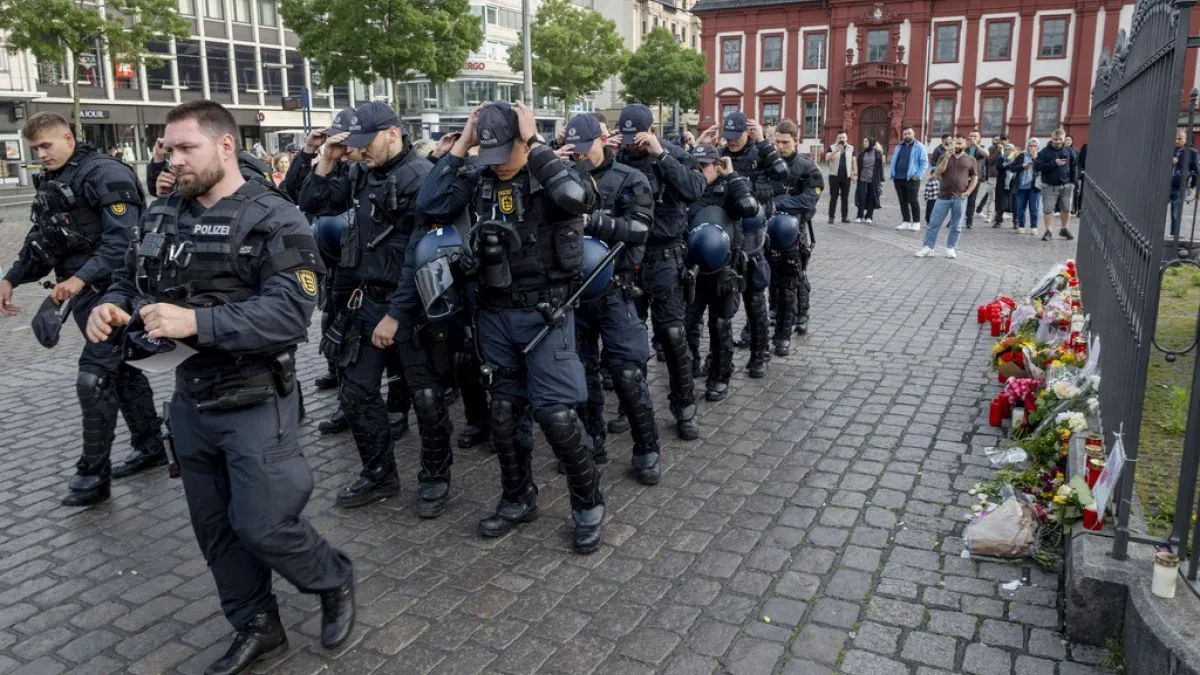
(92, 114)
(476, 65)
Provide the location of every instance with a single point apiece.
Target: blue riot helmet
(594, 251)
(708, 247)
(783, 231)
(755, 222)
(327, 231)
(434, 258)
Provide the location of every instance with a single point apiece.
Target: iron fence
(1131, 236)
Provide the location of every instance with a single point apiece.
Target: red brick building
(1017, 66)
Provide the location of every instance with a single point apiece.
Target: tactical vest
(68, 223)
(373, 252)
(214, 259)
(670, 212)
(542, 254)
(610, 185)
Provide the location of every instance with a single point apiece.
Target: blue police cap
(369, 119)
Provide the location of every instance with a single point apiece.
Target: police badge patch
(506, 201)
(118, 209)
(308, 282)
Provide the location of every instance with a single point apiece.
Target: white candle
(1166, 570)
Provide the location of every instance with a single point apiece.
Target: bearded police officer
(755, 159)
(715, 253)
(228, 268)
(624, 212)
(796, 196)
(382, 192)
(86, 209)
(675, 181)
(530, 208)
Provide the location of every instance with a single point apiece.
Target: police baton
(555, 318)
(169, 443)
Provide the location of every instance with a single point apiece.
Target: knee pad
(628, 377)
(560, 424)
(504, 417)
(353, 398)
(430, 406)
(91, 387)
(676, 334)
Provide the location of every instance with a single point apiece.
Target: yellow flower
(1061, 500)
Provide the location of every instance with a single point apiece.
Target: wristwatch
(536, 138)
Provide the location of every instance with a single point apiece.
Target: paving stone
(1032, 615)
(866, 663)
(650, 645)
(955, 624)
(1002, 634)
(835, 613)
(934, 650)
(849, 585)
(784, 612)
(1028, 665)
(895, 612)
(818, 643)
(984, 660)
(1047, 643)
(797, 585)
(877, 638)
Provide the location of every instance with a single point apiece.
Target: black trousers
(839, 187)
(908, 194)
(246, 483)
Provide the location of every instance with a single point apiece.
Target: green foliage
(1175, 419)
(574, 51)
(664, 71)
(48, 27)
(393, 39)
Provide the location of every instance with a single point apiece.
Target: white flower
(1075, 421)
(1094, 382)
(1065, 390)
(1093, 405)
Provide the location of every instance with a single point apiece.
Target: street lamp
(527, 53)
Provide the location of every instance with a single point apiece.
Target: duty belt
(660, 252)
(500, 299)
(377, 291)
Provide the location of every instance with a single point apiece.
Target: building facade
(1022, 67)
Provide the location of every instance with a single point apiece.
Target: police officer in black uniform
(84, 214)
(756, 160)
(675, 182)
(530, 208)
(727, 199)
(228, 268)
(797, 195)
(624, 213)
(383, 195)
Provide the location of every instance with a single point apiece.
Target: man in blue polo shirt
(909, 164)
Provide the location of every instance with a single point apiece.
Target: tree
(49, 28)
(574, 51)
(663, 71)
(391, 39)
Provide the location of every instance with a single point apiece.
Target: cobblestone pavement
(813, 528)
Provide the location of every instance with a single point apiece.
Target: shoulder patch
(118, 209)
(308, 282)
(507, 205)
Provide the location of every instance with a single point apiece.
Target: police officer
(756, 160)
(530, 208)
(624, 212)
(228, 268)
(675, 182)
(797, 196)
(86, 209)
(382, 192)
(727, 200)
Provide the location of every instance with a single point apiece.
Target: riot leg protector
(368, 421)
(136, 400)
(756, 319)
(99, 403)
(803, 289)
(683, 390)
(475, 401)
(720, 335)
(784, 294)
(564, 432)
(634, 394)
(433, 422)
(398, 398)
(592, 412)
(513, 445)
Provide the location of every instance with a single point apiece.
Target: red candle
(981, 313)
(1091, 519)
(1005, 406)
(996, 412)
(1095, 466)
(995, 327)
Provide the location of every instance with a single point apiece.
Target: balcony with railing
(875, 74)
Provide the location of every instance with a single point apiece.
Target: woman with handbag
(870, 180)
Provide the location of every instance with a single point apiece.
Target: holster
(687, 278)
(283, 371)
(729, 282)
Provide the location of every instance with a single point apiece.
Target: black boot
(86, 489)
(368, 488)
(262, 638)
(634, 394)
(589, 529)
(99, 404)
(720, 356)
(135, 399)
(336, 423)
(682, 394)
(472, 435)
(784, 299)
(368, 422)
(619, 424)
(329, 380)
(514, 452)
(645, 468)
(337, 614)
(138, 461)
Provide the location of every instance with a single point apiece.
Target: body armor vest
(540, 254)
(374, 242)
(213, 259)
(670, 212)
(610, 185)
(68, 224)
